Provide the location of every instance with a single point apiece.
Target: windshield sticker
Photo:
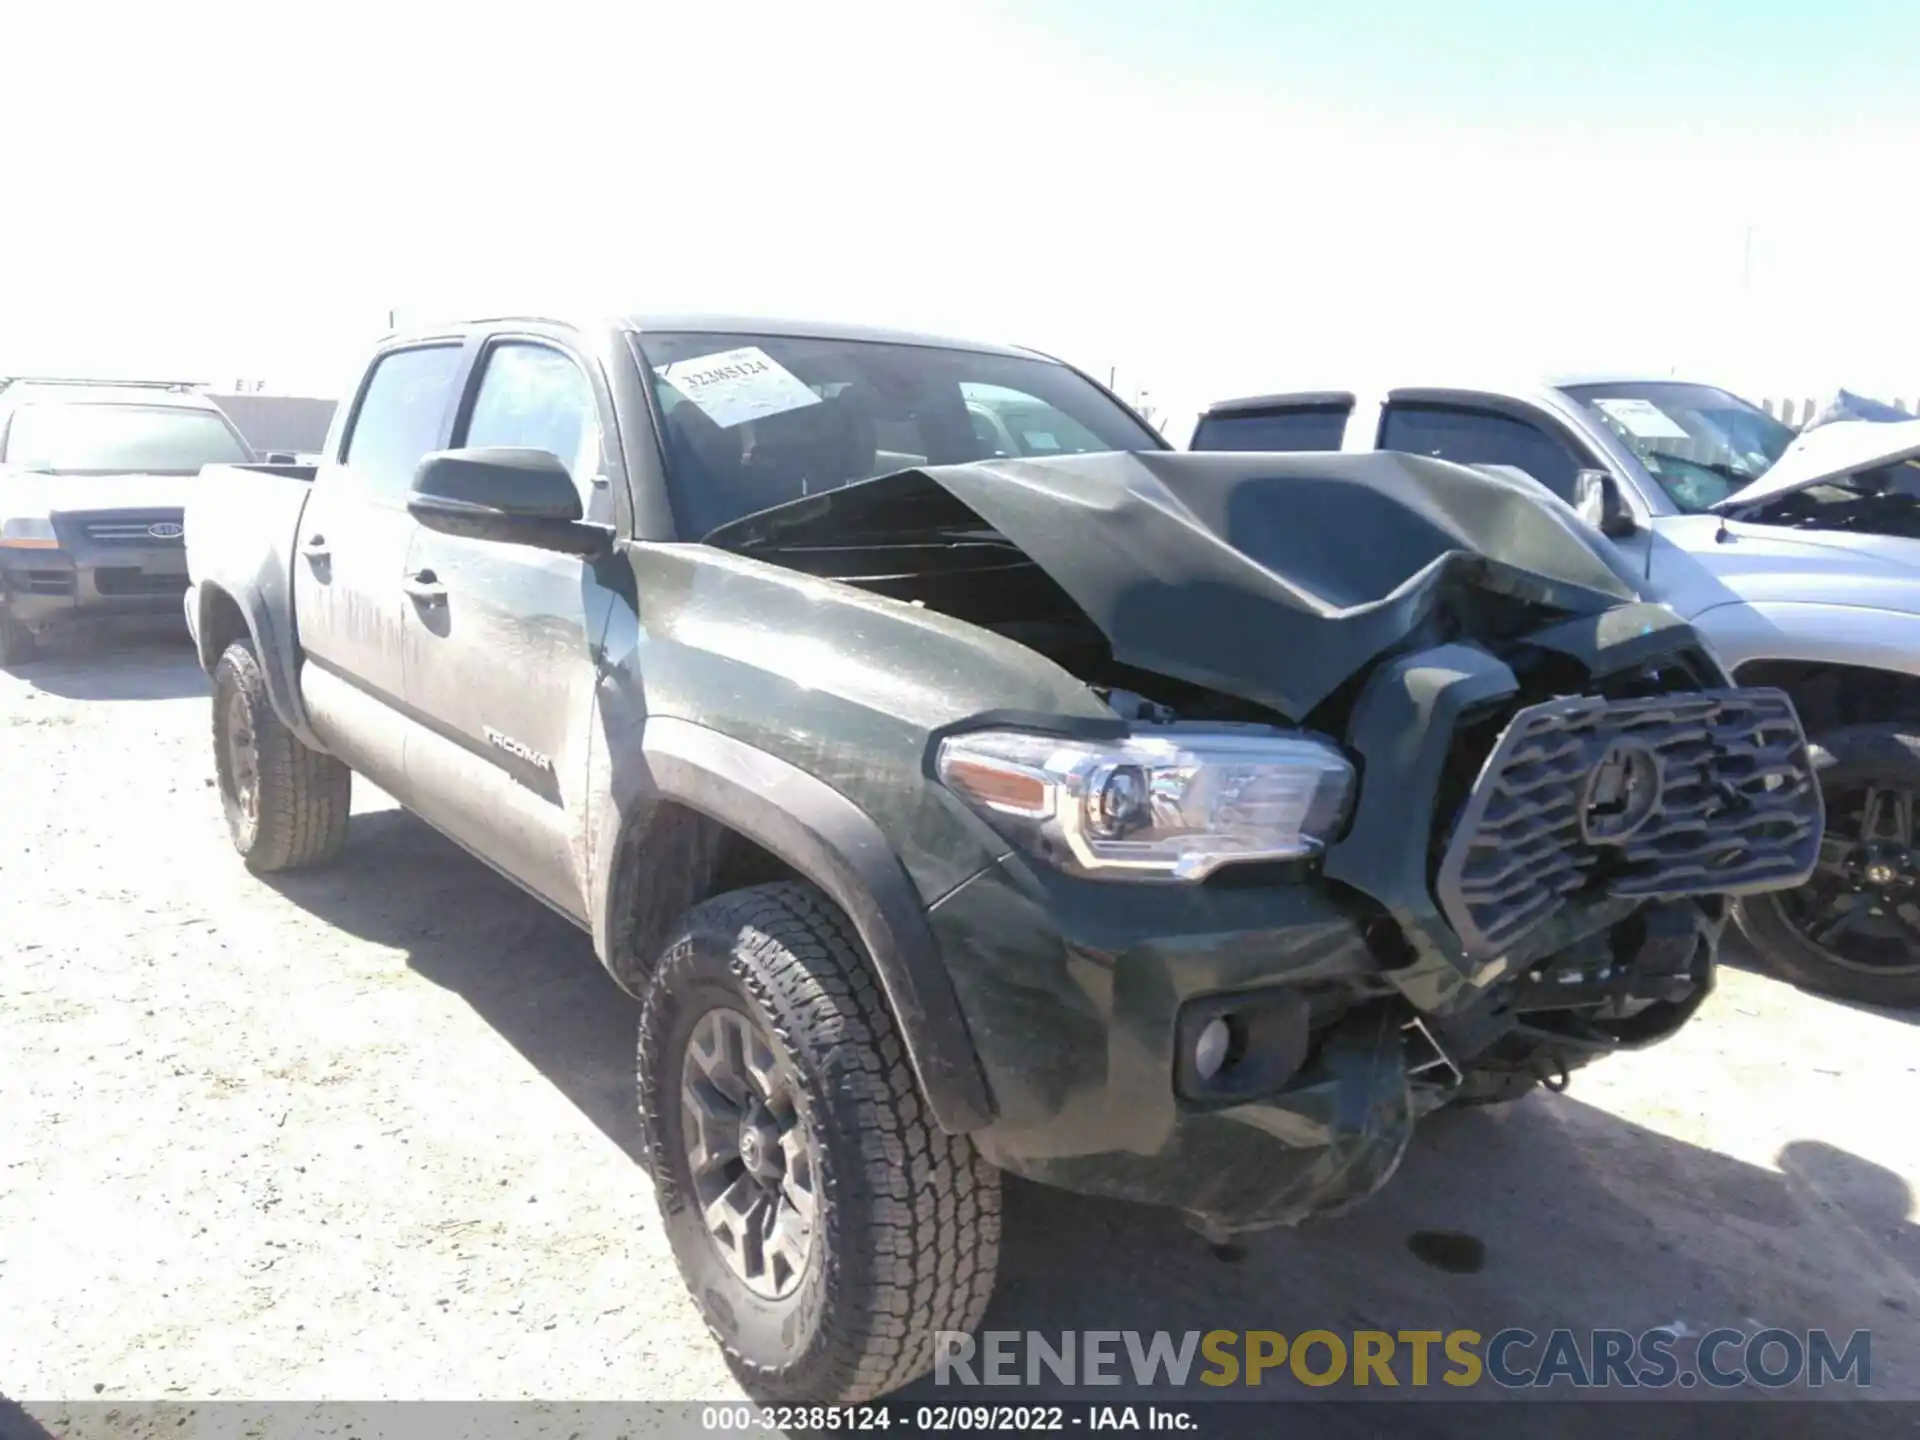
(736, 386)
(1644, 419)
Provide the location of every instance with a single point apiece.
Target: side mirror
(280, 457)
(518, 497)
(1596, 495)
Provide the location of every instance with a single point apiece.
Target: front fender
(1813, 632)
(827, 839)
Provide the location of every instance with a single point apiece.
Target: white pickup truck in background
(1795, 553)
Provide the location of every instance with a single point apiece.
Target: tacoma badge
(514, 748)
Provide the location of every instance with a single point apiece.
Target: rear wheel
(826, 1226)
(1854, 929)
(17, 643)
(286, 804)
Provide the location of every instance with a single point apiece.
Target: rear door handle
(316, 547)
(424, 587)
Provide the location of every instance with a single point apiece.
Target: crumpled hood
(25, 492)
(1270, 577)
(1828, 452)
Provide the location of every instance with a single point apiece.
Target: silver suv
(1797, 556)
(94, 479)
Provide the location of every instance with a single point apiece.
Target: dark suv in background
(93, 481)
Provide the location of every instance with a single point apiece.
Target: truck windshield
(754, 421)
(106, 439)
(1700, 443)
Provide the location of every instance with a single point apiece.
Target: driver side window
(535, 397)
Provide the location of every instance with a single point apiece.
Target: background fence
(1798, 412)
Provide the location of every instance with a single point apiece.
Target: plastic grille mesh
(1688, 794)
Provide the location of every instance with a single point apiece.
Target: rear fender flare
(827, 840)
(211, 639)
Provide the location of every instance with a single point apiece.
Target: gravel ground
(367, 1133)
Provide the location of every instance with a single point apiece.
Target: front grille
(134, 529)
(131, 580)
(1696, 793)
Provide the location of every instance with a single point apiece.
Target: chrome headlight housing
(1175, 803)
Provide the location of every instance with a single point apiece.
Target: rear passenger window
(1297, 427)
(400, 418)
(1480, 437)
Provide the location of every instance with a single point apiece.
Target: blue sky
(1770, 66)
(1210, 198)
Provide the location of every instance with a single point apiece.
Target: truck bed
(242, 522)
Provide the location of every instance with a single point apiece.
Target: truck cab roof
(168, 393)
(1523, 386)
(645, 322)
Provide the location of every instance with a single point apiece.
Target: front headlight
(1173, 805)
(28, 533)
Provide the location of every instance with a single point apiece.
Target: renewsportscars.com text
(1512, 1358)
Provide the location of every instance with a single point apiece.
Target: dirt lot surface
(368, 1134)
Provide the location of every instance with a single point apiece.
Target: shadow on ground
(1587, 1220)
(156, 664)
(527, 972)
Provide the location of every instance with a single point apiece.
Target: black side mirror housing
(1596, 495)
(510, 495)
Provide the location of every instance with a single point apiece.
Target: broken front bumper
(1081, 997)
(1552, 915)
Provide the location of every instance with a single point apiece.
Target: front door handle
(316, 547)
(424, 587)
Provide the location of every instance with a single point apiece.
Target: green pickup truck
(961, 781)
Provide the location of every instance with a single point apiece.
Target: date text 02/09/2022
(943, 1418)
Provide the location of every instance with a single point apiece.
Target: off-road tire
(1860, 754)
(17, 643)
(907, 1233)
(303, 794)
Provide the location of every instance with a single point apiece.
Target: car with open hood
(1794, 553)
(93, 483)
(962, 781)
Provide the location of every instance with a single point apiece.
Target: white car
(1797, 555)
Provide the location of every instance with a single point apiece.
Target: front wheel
(17, 643)
(826, 1226)
(1853, 930)
(286, 804)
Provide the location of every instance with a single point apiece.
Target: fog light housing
(1239, 1046)
(1210, 1050)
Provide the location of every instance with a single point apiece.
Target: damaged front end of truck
(1406, 799)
